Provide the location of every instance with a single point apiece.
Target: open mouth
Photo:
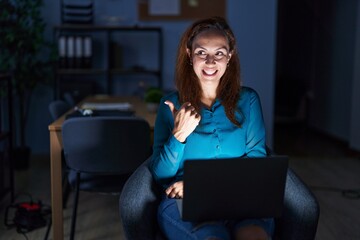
(209, 72)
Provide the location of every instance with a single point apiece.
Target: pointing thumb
(171, 106)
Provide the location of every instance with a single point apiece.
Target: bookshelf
(109, 69)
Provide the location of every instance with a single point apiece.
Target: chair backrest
(69, 98)
(58, 108)
(106, 145)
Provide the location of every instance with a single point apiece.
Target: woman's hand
(176, 190)
(185, 120)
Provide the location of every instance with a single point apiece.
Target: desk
(55, 154)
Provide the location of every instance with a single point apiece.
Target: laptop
(233, 188)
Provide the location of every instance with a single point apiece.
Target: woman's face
(209, 56)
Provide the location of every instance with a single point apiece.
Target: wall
(318, 57)
(293, 59)
(334, 46)
(355, 100)
(253, 22)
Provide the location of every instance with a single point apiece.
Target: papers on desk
(124, 106)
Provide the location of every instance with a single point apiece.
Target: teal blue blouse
(215, 136)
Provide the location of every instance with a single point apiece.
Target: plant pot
(21, 158)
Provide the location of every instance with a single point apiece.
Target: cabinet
(6, 129)
(106, 65)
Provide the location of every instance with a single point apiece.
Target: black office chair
(140, 198)
(69, 98)
(102, 152)
(58, 108)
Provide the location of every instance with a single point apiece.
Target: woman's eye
(200, 53)
(220, 55)
(203, 54)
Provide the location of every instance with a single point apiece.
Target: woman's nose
(210, 59)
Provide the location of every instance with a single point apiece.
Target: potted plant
(22, 52)
(152, 98)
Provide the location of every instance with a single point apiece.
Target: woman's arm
(167, 150)
(256, 137)
(172, 127)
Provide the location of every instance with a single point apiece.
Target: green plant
(153, 95)
(23, 51)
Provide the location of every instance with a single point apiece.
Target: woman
(210, 116)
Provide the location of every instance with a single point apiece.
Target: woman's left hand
(176, 190)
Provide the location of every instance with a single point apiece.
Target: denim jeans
(175, 228)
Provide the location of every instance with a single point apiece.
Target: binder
(87, 57)
(79, 52)
(62, 51)
(70, 52)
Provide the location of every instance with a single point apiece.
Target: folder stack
(77, 11)
(75, 51)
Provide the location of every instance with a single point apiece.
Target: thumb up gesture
(185, 120)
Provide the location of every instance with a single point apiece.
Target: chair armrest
(301, 211)
(138, 204)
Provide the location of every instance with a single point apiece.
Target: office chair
(69, 98)
(140, 198)
(58, 108)
(102, 152)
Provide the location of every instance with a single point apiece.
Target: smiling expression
(210, 56)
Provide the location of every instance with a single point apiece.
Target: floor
(97, 218)
(333, 174)
(325, 164)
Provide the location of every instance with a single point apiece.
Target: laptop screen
(234, 188)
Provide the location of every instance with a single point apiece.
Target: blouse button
(217, 146)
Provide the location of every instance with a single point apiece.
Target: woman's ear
(229, 56)
(189, 55)
(188, 52)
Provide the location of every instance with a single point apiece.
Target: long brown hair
(186, 80)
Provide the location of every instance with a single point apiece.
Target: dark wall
(315, 63)
(294, 55)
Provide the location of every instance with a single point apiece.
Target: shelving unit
(107, 70)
